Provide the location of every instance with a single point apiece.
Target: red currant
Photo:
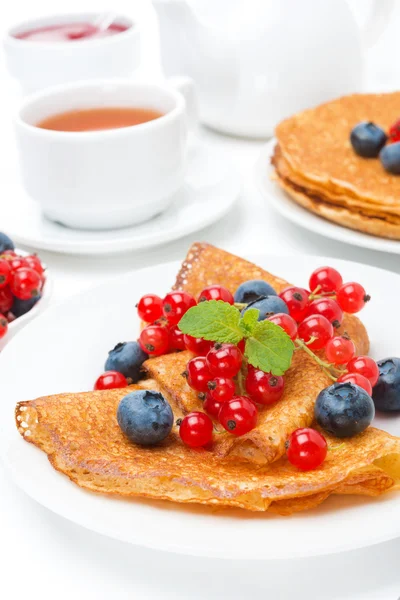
(242, 345)
(33, 262)
(8, 253)
(339, 350)
(366, 366)
(394, 132)
(221, 389)
(196, 429)
(212, 406)
(351, 297)
(198, 374)
(175, 304)
(3, 326)
(26, 283)
(216, 292)
(6, 299)
(176, 339)
(357, 379)
(150, 308)
(326, 279)
(317, 327)
(328, 308)
(238, 415)
(224, 360)
(18, 262)
(297, 302)
(154, 340)
(5, 273)
(264, 388)
(287, 323)
(307, 449)
(110, 380)
(197, 345)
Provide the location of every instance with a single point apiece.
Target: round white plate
(210, 189)
(64, 351)
(300, 216)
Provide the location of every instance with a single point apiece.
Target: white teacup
(37, 65)
(109, 178)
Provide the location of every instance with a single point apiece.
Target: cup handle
(187, 87)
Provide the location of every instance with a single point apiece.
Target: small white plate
(64, 351)
(15, 326)
(295, 213)
(211, 187)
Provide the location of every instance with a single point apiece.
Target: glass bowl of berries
(25, 288)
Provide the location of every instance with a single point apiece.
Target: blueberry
(126, 358)
(390, 158)
(145, 417)
(20, 307)
(268, 305)
(367, 139)
(344, 409)
(253, 290)
(5, 243)
(386, 393)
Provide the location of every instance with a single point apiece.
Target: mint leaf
(269, 348)
(249, 320)
(214, 320)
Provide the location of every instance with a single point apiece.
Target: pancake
(204, 265)
(80, 434)
(317, 166)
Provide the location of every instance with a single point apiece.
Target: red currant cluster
(233, 390)
(21, 279)
(162, 335)
(313, 317)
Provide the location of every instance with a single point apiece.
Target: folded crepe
(80, 434)
(204, 265)
(317, 166)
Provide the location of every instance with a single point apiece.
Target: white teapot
(255, 62)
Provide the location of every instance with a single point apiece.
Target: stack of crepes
(317, 166)
(80, 434)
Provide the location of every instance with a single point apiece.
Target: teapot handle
(377, 22)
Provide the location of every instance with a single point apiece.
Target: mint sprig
(215, 321)
(268, 347)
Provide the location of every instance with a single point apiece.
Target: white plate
(211, 187)
(39, 307)
(64, 350)
(300, 216)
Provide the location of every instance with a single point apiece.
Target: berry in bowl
(25, 288)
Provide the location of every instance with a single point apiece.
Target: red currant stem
(314, 296)
(240, 305)
(333, 448)
(240, 381)
(327, 367)
(314, 293)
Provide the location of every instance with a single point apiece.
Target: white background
(43, 555)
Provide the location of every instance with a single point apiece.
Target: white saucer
(211, 187)
(295, 213)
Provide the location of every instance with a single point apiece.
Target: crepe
(317, 166)
(204, 265)
(80, 434)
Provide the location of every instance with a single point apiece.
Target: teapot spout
(178, 27)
